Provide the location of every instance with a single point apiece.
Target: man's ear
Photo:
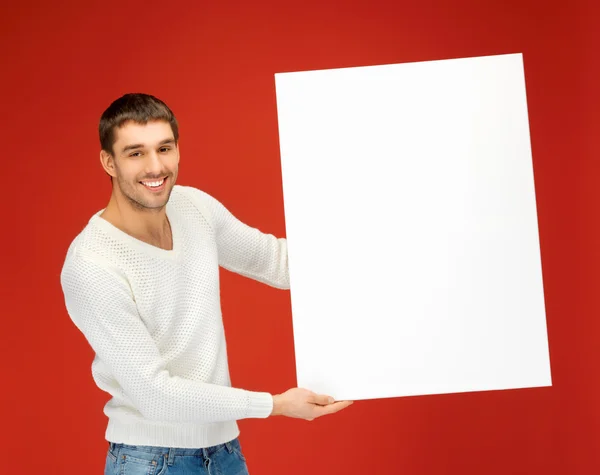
(108, 163)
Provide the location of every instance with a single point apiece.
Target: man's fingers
(321, 399)
(332, 408)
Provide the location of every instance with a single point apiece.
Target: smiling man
(141, 282)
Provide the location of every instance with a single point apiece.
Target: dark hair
(137, 107)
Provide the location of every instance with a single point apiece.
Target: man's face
(145, 156)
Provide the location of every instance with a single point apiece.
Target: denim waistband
(171, 451)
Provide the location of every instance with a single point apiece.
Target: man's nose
(153, 164)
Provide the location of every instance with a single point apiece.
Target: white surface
(412, 229)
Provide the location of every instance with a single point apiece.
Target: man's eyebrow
(141, 145)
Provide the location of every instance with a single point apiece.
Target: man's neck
(148, 225)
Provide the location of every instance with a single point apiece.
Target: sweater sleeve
(100, 303)
(243, 249)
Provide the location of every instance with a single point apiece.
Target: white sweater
(153, 318)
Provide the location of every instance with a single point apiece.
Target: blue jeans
(223, 459)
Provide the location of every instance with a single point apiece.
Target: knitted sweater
(153, 318)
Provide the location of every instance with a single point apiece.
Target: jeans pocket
(110, 464)
(141, 463)
(237, 448)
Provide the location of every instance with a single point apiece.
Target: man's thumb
(322, 399)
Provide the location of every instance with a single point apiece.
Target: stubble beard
(136, 195)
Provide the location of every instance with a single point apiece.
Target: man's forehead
(148, 134)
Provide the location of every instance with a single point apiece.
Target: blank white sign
(412, 230)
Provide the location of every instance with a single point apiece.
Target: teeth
(153, 183)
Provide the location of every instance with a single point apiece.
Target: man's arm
(100, 303)
(243, 249)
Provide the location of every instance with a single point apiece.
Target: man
(141, 282)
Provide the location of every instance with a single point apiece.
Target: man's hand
(304, 404)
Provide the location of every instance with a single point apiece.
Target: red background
(213, 63)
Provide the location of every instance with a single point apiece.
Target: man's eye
(134, 154)
(166, 148)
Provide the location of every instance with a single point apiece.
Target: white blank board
(412, 229)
